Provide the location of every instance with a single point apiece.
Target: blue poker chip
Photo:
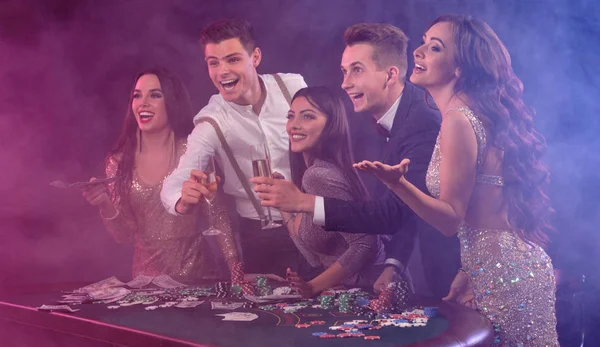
(319, 334)
(362, 301)
(430, 311)
(400, 321)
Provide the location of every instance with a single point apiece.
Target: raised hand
(390, 175)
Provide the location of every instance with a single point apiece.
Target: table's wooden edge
(456, 334)
(87, 328)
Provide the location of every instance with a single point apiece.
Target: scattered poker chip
(344, 335)
(372, 337)
(375, 327)
(113, 307)
(327, 336)
(302, 325)
(317, 322)
(318, 334)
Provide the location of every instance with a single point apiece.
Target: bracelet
(110, 218)
(285, 222)
(463, 270)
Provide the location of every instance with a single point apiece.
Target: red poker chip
(302, 325)
(317, 322)
(372, 337)
(344, 335)
(358, 335)
(327, 336)
(376, 327)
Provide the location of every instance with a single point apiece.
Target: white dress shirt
(242, 128)
(386, 121)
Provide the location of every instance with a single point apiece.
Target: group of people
(459, 166)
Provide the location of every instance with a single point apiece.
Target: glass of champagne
(210, 182)
(262, 168)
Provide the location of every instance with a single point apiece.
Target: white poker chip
(113, 307)
(150, 308)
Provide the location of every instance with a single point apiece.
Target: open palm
(387, 174)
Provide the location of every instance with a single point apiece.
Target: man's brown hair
(226, 29)
(389, 43)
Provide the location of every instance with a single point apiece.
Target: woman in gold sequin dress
(152, 141)
(486, 179)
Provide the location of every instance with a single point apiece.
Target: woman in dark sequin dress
(321, 163)
(153, 139)
(487, 180)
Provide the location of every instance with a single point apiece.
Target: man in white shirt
(250, 110)
(374, 66)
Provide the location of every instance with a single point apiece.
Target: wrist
(182, 207)
(399, 185)
(308, 204)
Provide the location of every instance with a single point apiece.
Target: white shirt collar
(387, 120)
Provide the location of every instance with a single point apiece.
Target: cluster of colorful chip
(360, 328)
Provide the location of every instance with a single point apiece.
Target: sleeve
(419, 139)
(202, 143)
(293, 82)
(362, 248)
(123, 226)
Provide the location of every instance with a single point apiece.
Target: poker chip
(430, 311)
(327, 336)
(318, 334)
(302, 325)
(317, 322)
(372, 337)
(344, 335)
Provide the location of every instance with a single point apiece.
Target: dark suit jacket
(413, 136)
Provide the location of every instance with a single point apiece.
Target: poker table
(21, 324)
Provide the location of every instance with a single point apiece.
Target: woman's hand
(461, 291)
(304, 288)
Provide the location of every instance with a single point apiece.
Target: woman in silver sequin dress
(152, 141)
(321, 163)
(486, 179)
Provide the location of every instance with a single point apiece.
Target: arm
(362, 249)
(457, 178)
(118, 217)
(201, 144)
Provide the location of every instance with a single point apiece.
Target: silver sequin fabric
(361, 255)
(165, 243)
(513, 281)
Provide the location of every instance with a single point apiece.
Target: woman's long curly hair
(179, 113)
(496, 93)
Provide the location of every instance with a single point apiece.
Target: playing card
(225, 305)
(238, 316)
(165, 281)
(189, 304)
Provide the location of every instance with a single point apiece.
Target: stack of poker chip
(345, 302)
(222, 289)
(327, 301)
(262, 286)
(237, 278)
(395, 297)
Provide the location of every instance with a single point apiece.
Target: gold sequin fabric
(165, 243)
(513, 281)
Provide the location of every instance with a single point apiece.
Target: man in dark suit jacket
(374, 65)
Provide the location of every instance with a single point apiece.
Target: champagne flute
(261, 167)
(210, 182)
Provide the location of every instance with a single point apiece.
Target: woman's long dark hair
(496, 94)
(334, 143)
(179, 113)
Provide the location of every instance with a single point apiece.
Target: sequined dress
(513, 281)
(165, 243)
(361, 255)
